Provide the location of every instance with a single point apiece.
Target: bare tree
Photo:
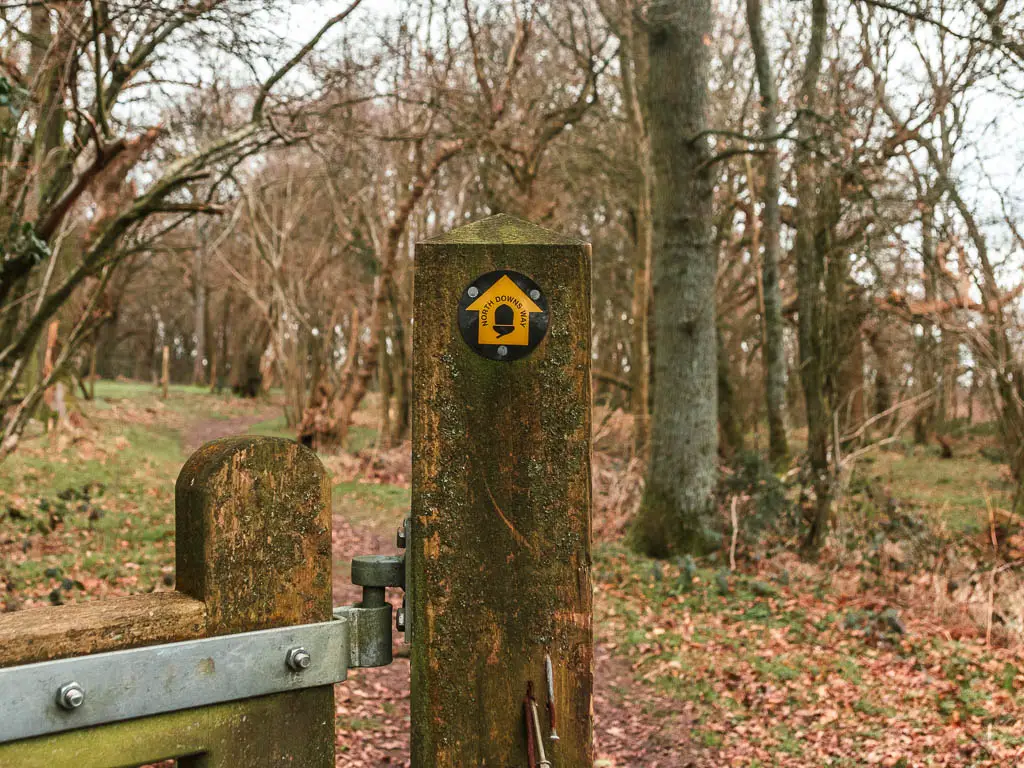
(774, 355)
(811, 277)
(83, 61)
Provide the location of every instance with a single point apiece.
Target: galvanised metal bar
(54, 696)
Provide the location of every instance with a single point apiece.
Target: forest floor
(902, 647)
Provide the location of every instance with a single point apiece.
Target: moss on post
(253, 732)
(254, 544)
(500, 546)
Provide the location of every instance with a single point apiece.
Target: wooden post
(165, 376)
(500, 546)
(253, 532)
(49, 396)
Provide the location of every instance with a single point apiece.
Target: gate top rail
(43, 634)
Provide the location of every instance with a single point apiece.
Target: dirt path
(200, 432)
(632, 727)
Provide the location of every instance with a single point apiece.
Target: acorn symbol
(504, 320)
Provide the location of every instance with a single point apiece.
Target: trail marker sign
(503, 315)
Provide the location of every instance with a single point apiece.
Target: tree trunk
(401, 376)
(928, 365)
(222, 340)
(200, 314)
(773, 354)
(810, 282)
(633, 63)
(385, 385)
(92, 372)
(678, 510)
(730, 429)
(881, 341)
(165, 378)
(850, 388)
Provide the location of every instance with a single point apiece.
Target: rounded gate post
(253, 542)
(500, 561)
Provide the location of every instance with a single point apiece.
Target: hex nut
(71, 696)
(400, 620)
(400, 538)
(298, 659)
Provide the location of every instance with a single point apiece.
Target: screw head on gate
(71, 696)
(298, 659)
(400, 620)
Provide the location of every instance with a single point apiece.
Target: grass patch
(371, 504)
(953, 489)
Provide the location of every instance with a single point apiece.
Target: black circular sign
(503, 315)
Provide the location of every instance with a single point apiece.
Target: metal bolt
(473, 291)
(298, 659)
(401, 537)
(400, 620)
(71, 696)
(534, 294)
(502, 350)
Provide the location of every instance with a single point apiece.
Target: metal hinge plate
(39, 699)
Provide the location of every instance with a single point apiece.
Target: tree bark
(165, 377)
(731, 431)
(774, 354)
(928, 363)
(678, 510)
(199, 290)
(810, 281)
(634, 66)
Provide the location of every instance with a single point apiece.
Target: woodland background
(807, 336)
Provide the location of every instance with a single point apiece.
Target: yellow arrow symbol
(505, 311)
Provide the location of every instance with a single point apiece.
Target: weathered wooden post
(253, 528)
(499, 576)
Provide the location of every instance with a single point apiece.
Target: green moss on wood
(254, 534)
(254, 546)
(268, 731)
(41, 634)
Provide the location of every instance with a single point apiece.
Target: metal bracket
(54, 696)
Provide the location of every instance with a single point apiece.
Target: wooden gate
(253, 552)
